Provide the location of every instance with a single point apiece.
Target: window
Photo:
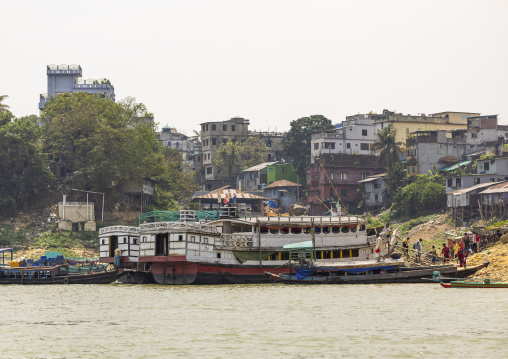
(364, 132)
(269, 157)
(343, 192)
(486, 166)
(214, 127)
(329, 145)
(348, 145)
(270, 169)
(233, 128)
(316, 146)
(492, 180)
(134, 241)
(476, 180)
(283, 169)
(224, 127)
(376, 198)
(209, 171)
(450, 182)
(124, 240)
(474, 135)
(458, 182)
(218, 255)
(203, 128)
(364, 146)
(254, 175)
(180, 238)
(103, 241)
(144, 238)
(214, 142)
(364, 175)
(343, 176)
(268, 143)
(193, 239)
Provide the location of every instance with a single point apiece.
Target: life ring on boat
(66, 281)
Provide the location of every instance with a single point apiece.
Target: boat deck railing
(236, 240)
(33, 272)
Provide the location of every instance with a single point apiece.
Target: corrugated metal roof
(230, 193)
(499, 188)
(457, 165)
(282, 183)
(475, 187)
(259, 167)
(372, 178)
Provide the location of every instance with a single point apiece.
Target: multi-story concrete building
(67, 79)
(188, 146)
(487, 171)
(439, 149)
(274, 142)
(337, 175)
(407, 124)
(213, 135)
(354, 136)
(374, 196)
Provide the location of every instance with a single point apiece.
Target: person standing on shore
(445, 252)
(433, 253)
(418, 251)
(118, 255)
(405, 247)
(456, 249)
(379, 243)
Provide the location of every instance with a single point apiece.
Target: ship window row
(308, 230)
(344, 253)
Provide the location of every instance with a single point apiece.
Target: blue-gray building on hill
(67, 79)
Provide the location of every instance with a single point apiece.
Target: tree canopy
(298, 140)
(387, 146)
(425, 193)
(26, 178)
(233, 157)
(3, 106)
(176, 184)
(98, 141)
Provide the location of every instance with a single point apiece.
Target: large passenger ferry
(228, 249)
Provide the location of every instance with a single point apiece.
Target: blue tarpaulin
(302, 273)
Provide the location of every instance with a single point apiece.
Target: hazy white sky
(269, 61)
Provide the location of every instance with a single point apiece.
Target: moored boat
(187, 249)
(465, 284)
(367, 272)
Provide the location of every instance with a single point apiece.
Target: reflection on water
(253, 321)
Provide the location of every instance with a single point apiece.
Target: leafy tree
(395, 176)
(421, 195)
(174, 185)
(26, 178)
(96, 140)
(233, 157)
(387, 146)
(3, 107)
(297, 142)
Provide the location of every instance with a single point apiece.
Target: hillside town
(340, 169)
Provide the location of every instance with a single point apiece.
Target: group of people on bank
(458, 250)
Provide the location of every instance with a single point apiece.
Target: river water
(253, 321)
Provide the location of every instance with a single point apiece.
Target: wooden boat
(373, 273)
(485, 284)
(53, 275)
(186, 248)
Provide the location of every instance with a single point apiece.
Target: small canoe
(485, 284)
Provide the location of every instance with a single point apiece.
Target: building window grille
(364, 132)
(364, 146)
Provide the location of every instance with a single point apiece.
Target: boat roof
(308, 220)
(299, 245)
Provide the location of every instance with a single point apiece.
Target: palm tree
(387, 146)
(3, 107)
